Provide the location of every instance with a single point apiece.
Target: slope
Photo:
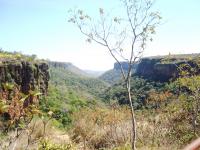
(60, 76)
(69, 91)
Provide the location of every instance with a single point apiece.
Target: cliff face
(155, 69)
(27, 75)
(125, 66)
(161, 68)
(64, 65)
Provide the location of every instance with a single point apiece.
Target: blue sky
(40, 27)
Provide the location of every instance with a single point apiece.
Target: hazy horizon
(42, 28)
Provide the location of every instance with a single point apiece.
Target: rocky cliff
(28, 75)
(163, 69)
(114, 75)
(125, 66)
(153, 69)
(158, 68)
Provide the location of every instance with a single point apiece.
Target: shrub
(48, 145)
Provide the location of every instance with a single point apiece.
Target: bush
(48, 145)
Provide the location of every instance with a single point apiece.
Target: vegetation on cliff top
(6, 56)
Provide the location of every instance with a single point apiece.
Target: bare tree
(124, 35)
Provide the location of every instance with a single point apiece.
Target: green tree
(125, 37)
(185, 119)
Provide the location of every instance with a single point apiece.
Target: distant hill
(94, 74)
(73, 78)
(68, 67)
(111, 76)
(72, 68)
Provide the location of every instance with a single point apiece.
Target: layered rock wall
(27, 75)
(158, 70)
(125, 66)
(162, 68)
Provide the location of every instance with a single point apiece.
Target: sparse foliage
(17, 110)
(125, 37)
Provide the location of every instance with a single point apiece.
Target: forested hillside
(75, 81)
(111, 76)
(70, 90)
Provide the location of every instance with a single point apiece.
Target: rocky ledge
(165, 68)
(28, 75)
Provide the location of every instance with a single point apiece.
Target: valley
(93, 113)
(99, 75)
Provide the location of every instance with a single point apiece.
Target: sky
(41, 27)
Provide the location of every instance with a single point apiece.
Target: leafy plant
(17, 110)
(48, 145)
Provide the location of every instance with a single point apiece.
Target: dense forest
(74, 111)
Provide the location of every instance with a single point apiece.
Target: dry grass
(110, 128)
(101, 128)
(33, 135)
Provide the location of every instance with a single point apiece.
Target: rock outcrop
(26, 74)
(158, 69)
(125, 66)
(64, 65)
(153, 69)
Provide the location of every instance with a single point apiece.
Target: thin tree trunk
(133, 142)
(84, 143)
(44, 129)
